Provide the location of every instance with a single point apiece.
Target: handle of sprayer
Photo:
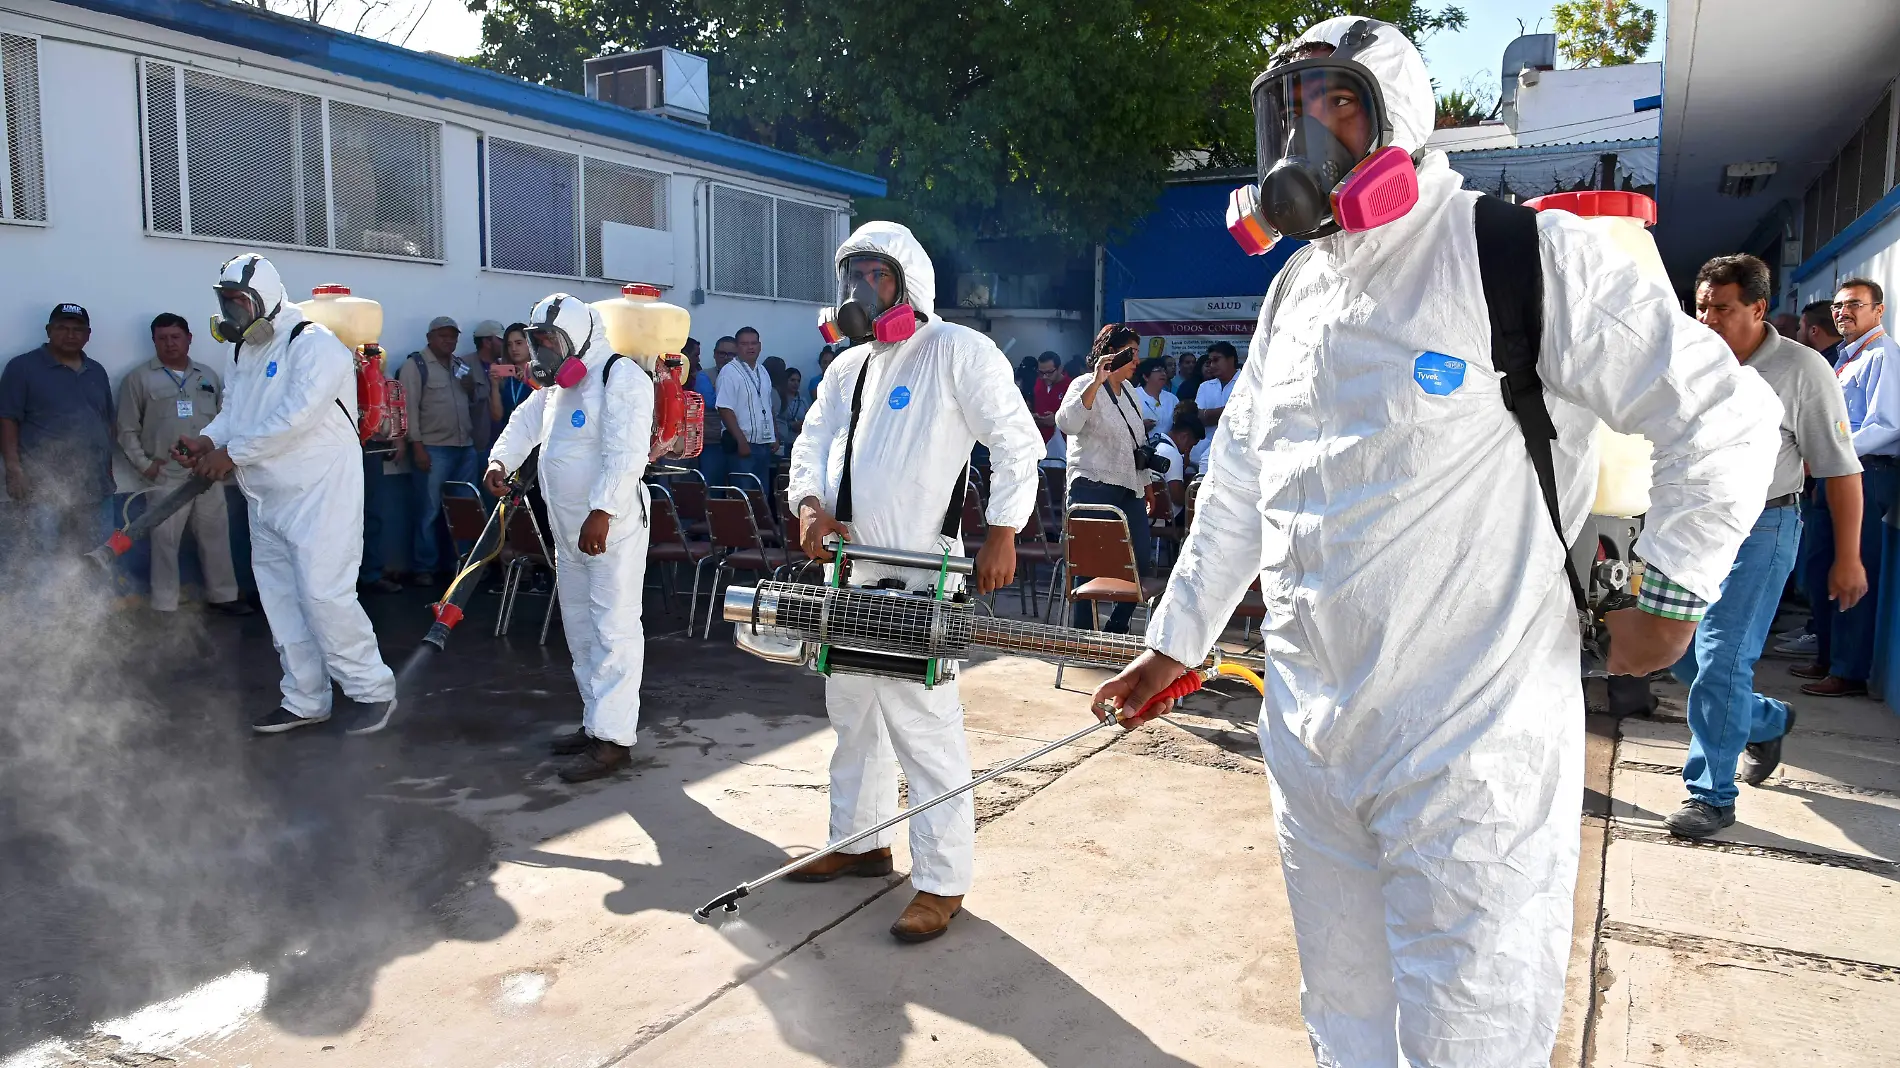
(1173, 691)
(961, 565)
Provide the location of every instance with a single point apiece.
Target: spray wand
(164, 508)
(448, 611)
(1190, 681)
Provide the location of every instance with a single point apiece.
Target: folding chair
(668, 544)
(754, 491)
(1096, 548)
(466, 515)
(1033, 548)
(689, 492)
(525, 546)
(736, 538)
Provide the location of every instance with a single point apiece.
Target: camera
(1148, 458)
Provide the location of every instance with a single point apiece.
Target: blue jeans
(1846, 645)
(447, 463)
(712, 463)
(372, 566)
(758, 464)
(1133, 508)
(1725, 712)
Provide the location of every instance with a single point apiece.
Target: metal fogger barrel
(895, 633)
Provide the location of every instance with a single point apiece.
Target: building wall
(1876, 256)
(1588, 104)
(1182, 249)
(1031, 334)
(94, 248)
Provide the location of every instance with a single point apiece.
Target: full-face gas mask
(242, 315)
(861, 314)
(556, 360)
(1326, 161)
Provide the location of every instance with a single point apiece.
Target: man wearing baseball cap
(485, 405)
(438, 387)
(56, 432)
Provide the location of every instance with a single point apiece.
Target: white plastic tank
(642, 326)
(1624, 468)
(357, 321)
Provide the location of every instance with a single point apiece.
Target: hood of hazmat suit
(289, 424)
(1422, 724)
(923, 404)
(594, 434)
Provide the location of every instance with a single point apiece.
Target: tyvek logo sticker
(270, 369)
(1437, 373)
(900, 397)
(580, 419)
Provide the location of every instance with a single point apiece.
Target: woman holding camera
(1108, 453)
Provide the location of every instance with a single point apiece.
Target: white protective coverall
(1423, 719)
(594, 439)
(926, 404)
(289, 425)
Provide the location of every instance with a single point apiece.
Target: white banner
(1173, 326)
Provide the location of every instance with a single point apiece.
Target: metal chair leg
(712, 599)
(554, 599)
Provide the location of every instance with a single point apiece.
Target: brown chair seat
(1114, 589)
(689, 552)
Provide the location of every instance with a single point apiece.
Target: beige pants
(210, 527)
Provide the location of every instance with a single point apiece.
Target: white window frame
(771, 243)
(6, 150)
(581, 156)
(324, 99)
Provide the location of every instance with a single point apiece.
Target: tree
(1457, 108)
(988, 119)
(1604, 33)
(394, 21)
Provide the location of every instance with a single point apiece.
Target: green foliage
(1604, 33)
(1020, 118)
(1458, 108)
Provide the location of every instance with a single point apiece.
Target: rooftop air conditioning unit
(658, 81)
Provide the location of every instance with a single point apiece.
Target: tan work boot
(926, 917)
(867, 865)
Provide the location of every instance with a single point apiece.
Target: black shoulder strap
(609, 369)
(1512, 270)
(952, 517)
(422, 370)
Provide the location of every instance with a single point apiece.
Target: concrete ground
(174, 890)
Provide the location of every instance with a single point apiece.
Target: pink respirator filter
(1382, 188)
(570, 374)
(898, 324)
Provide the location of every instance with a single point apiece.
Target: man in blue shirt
(1845, 639)
(57, 433)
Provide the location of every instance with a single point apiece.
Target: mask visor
(1326, 112)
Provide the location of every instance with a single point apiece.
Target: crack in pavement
(1870, 865)
(1632, 934)
(995, 809)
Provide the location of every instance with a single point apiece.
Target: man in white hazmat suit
(594, 424)
(882, 462)
(288, 428)
(1423, 720)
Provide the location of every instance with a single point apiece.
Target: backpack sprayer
(896, 633)
(379, 423)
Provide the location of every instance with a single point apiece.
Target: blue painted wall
(1182, 249)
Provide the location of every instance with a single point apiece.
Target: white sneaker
(1804, 645)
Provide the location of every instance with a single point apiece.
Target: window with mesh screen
(384, 182)
(804, 248)
(615, 192)
(234, 159)
(22, 163)
(741, 242)
(533, 208)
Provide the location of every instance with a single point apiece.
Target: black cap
(68, 310)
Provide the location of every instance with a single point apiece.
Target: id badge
(184, 409)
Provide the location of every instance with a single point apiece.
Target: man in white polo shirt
(745, 406)
(1220, 367)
